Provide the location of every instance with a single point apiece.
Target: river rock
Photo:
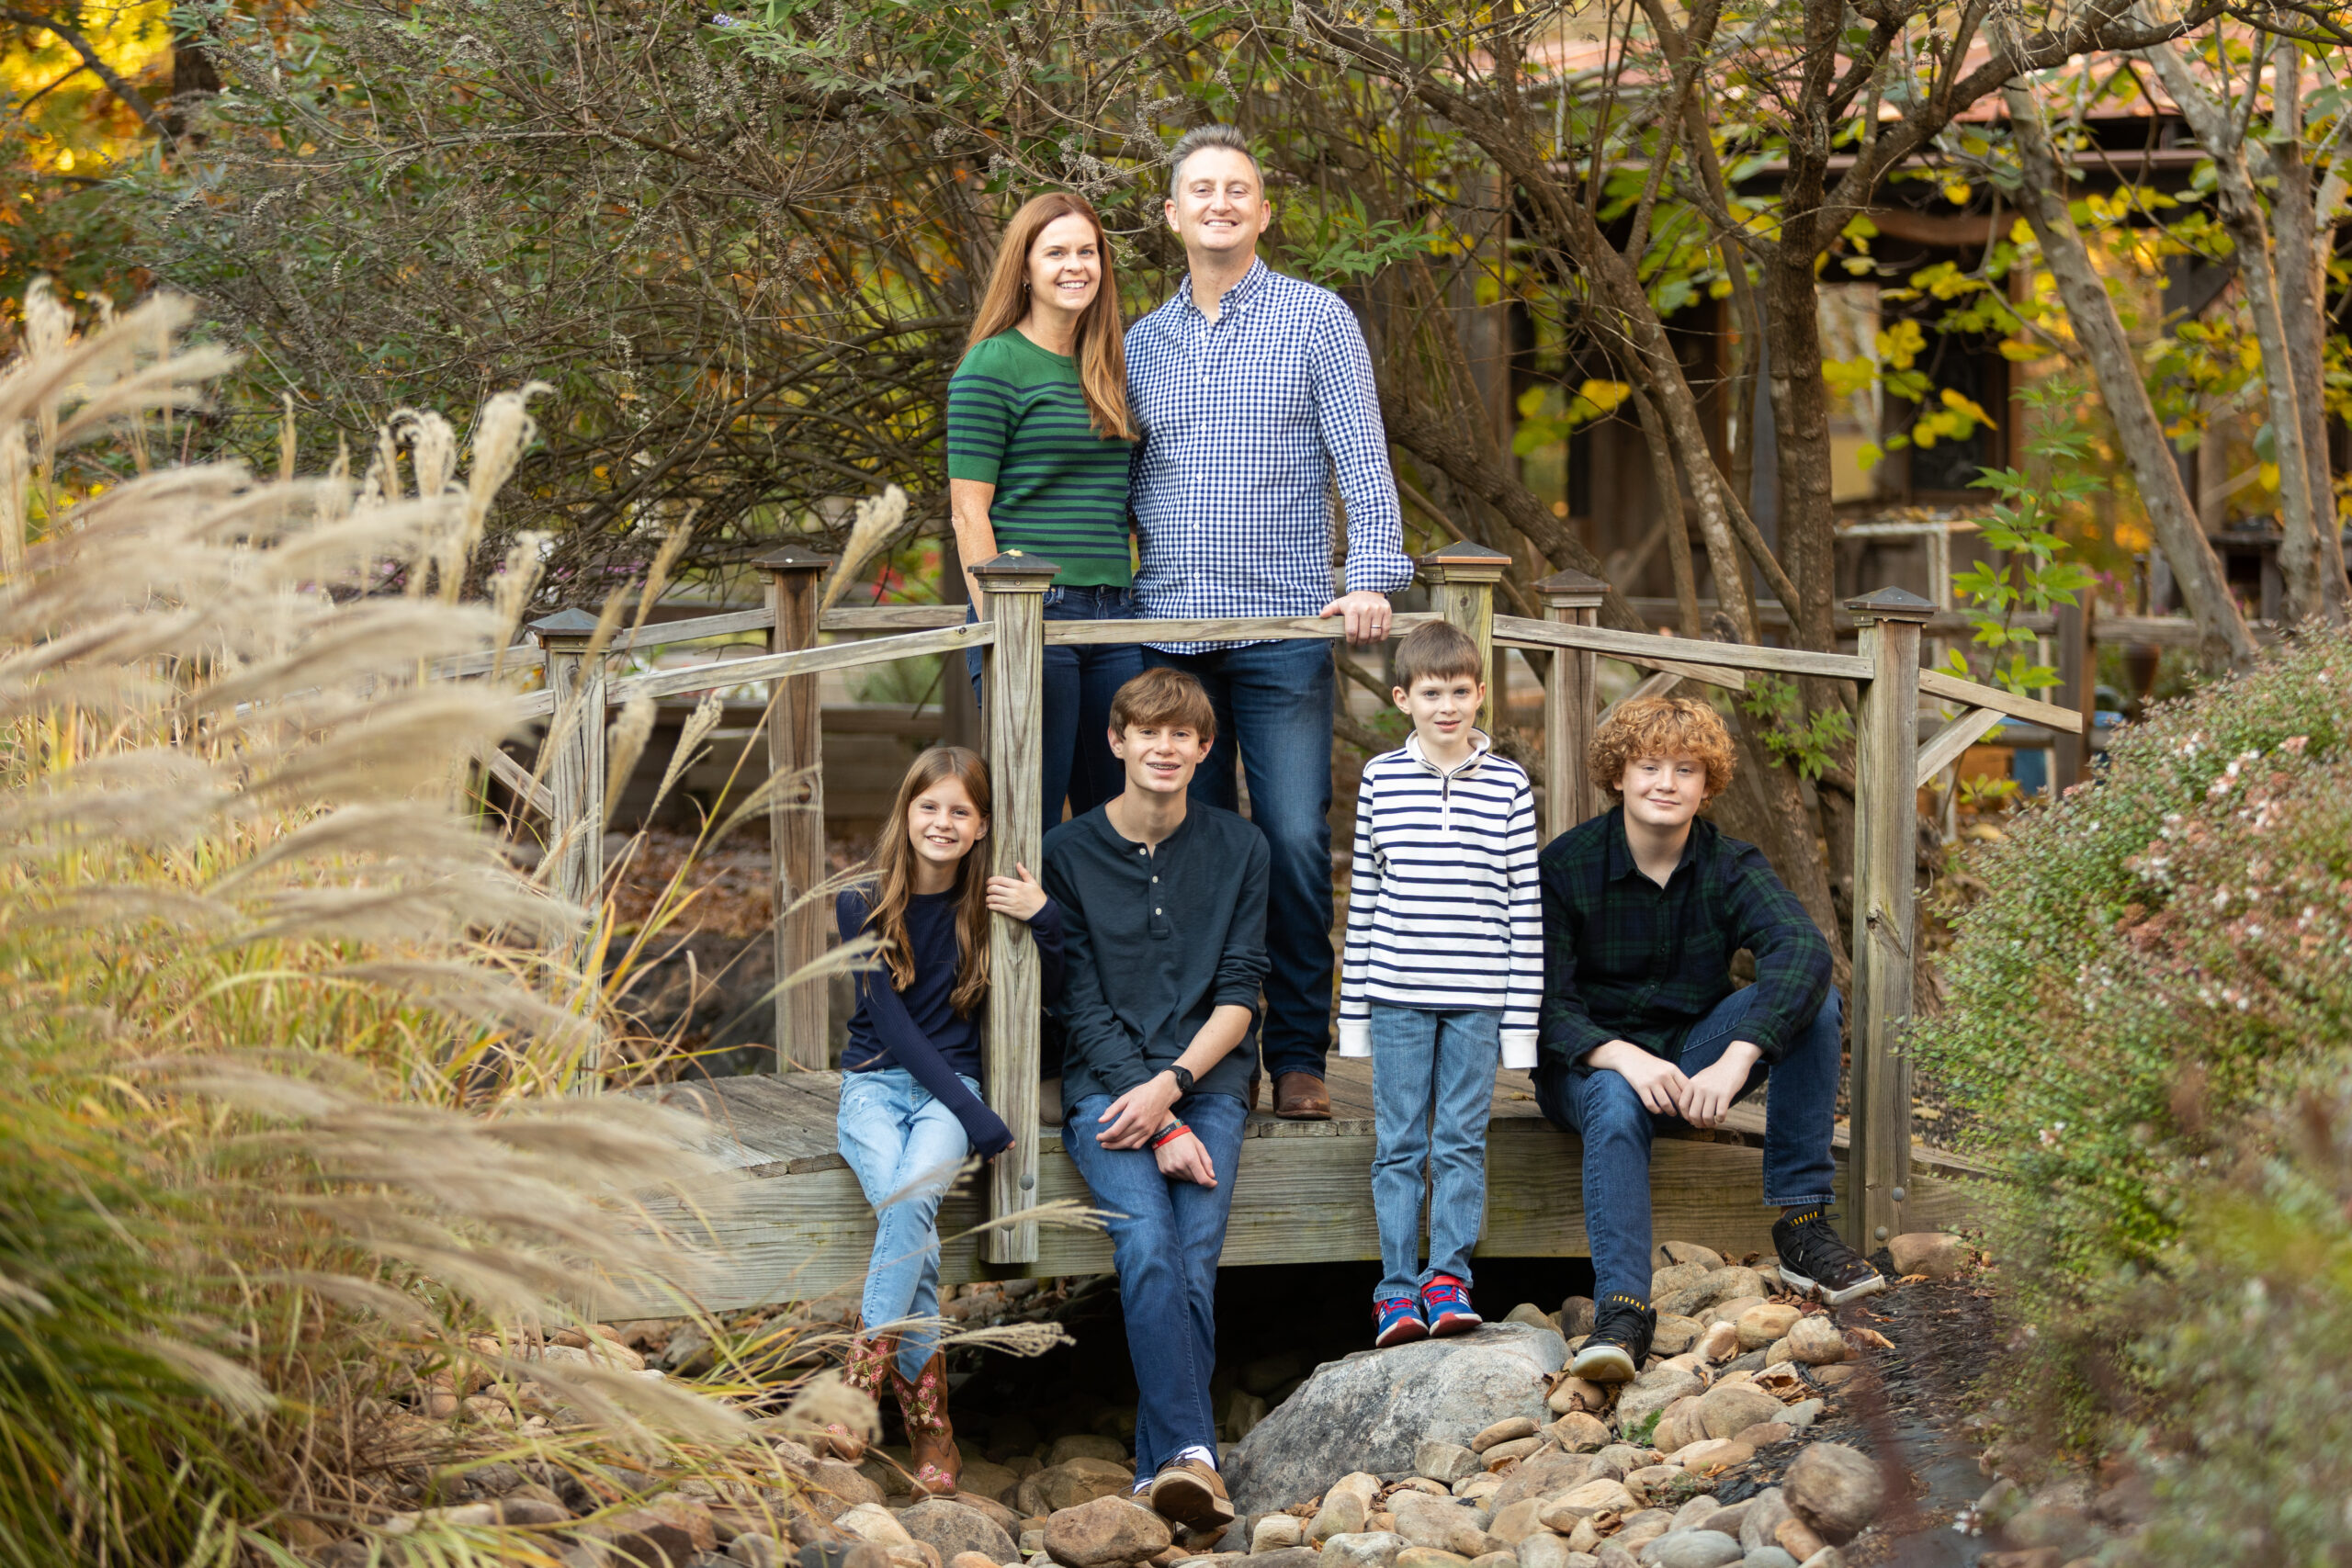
(1546, 1475)
(1622, 1459)
(1272, 1532)
(1445, 1463)
(1576, 1394)
(1545, 1550)
(1931, 1253)
(952, 1527)
(1104, 1532)
(1730, 1311)
(1834, 1490)
(1670, 1252)
(1653, 1485)
(1695, 1548)
(835, 1485)
(1580, 1433)
(1765, 1512)
(1717, 1341)
(1446, 1524)
(983, 1479)
(1730, 1409)
(973, 1559)
(1479, 1489)
(1653, 1389)
(1803, 1413)
(1673, 1334)
(1637, 1530)
(1085, 1444)
(1795, 1537)
(1371, 1410)
(1288, 1557)
(1347, 1506)
(1680, 1426)
(1716, 1286)
(1759, 1326)
(871, 1521)
(1602, 1497)
(1531, 1315)
(1068, 1485)
(1503, 1455)
(1365, 1549)
(1770, 1557)
(1508, 1430)
(1677, 1277)
(1816, 1341)
(1515, 1523)
(1577, 1313)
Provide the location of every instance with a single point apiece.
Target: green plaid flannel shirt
(1625, 959)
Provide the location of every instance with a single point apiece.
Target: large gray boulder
(1372, 1410)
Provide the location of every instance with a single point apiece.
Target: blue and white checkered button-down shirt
(1245, 419)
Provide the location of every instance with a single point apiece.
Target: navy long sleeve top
(1159, 939)
(919, 1028)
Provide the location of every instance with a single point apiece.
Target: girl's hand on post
(1018, 896)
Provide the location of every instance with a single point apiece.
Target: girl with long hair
(910, 1106)
(1038, 436)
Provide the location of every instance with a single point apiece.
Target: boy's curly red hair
(1661, 727)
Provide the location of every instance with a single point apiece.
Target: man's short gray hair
(1201, 139)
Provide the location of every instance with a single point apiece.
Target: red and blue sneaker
(1445, 1302)
(1397, 1321)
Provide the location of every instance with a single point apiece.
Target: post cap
(564, 625)
(794, 558)
(1891, 605)
(1572, 590)
(1463, 561)
(1016, 572)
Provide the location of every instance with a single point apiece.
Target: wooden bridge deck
(789, 1222)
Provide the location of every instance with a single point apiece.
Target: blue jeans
(1432, 1088)
(1800, 1112)
(905, 1148)
(1074, 717)
(1273, 710)
(1166, 1234)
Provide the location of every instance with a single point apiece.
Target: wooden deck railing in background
(1890, 767)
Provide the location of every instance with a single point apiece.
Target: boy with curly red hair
(1642, 1025)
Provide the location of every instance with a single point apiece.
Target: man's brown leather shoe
(1193, 1495)
(1301, 1096)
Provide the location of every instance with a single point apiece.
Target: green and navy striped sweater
(1017, 419)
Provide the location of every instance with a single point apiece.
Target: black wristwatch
(1183, 1080)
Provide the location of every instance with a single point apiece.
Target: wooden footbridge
(786, 1212)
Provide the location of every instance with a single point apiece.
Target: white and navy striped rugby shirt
(1444, 914)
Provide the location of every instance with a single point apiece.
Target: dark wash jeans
(1800, 1111)
(1274, 715)
(1074, 722)
(1166, 1234)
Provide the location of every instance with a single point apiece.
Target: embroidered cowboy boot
(866, 1369)
(923, 1403)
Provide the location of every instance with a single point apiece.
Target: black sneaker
(1816, 1262)
(1619, 1343)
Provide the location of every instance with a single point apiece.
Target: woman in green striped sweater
(1038, 436)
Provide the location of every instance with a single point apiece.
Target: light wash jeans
(1432, 1090)
(1166, 1235)
(905, 1148)
(1800, 1115)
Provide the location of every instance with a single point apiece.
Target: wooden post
(2070, 755)
(576, 772)
(1569, 792)
(1461, 580)
(797, 812)
(1012, 675)
(1886, 760)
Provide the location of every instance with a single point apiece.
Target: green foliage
(1809, 742)
(2030, 572)
(2155, 959)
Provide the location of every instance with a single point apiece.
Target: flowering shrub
(2159, 958)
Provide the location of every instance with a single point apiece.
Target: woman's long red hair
(894, 879)
(1101, 350)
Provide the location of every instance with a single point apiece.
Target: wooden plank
(1664, 651)
(891, 618)
(1252, 628)
(1887, 754)
(807, 661)
(1012, 706)
(576, 695)
(1656, 685)
(511, 774)
(661, 634)
(513, 659)
(1952, 688)
(1956, 737)
(1569, 794)
(1296, 1199)
(795, 811)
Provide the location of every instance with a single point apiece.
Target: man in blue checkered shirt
(1255, 395)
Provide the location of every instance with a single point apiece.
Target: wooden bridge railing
(1890, 764)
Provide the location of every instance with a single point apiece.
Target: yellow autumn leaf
(1957, 192)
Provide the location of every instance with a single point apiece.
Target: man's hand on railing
(1367, 616)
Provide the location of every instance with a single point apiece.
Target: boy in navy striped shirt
(1442, 974)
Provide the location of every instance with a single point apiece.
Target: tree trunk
(2222, 637)
(2242, 216)
(2302, 313)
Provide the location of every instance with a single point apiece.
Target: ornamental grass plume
(255, 959)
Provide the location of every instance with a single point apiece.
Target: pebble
(1577, 1315)
(1445, 1463)
(1602, 1497)
(1365, 1549)
(1272, 1533)
(1503, 1454)
(1730, 1409)
(1653, 1389)
(1675, 1333)
(1576, 1394)
(1768, 1557)
(1107, 1532)
(1676, 1277)
(1719, 1341)
(1531, 1315)
(1580, 1433)
(1346, 1506)
(1931, 1253)
(1505, 1431)
(1430, 1557)
(1803, 1413)
(1667, 1252)
(1759, 1326)
(1733, 1309)
(1545, 1550)
(1656, 1483)
(1478, 1488)
(1693, 1549)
